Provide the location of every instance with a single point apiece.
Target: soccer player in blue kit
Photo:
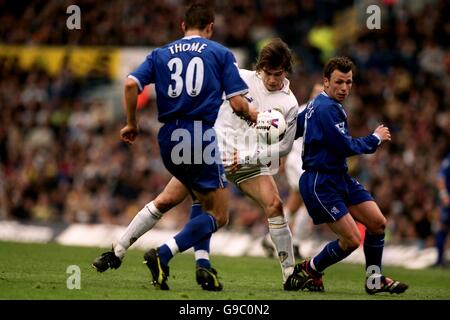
(190, 75)
(443, 186)
(330, 194)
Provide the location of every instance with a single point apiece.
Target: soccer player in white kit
(246, 164)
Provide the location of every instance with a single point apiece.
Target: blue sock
(373, 249)
(441, 237)
(203, 244)
(165, 254)
(194, 231)
(329, 255)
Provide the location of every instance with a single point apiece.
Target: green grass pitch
(39, 271)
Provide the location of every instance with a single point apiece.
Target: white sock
(311, 264)
(143, 221)
(201, 254)
(282, 239)
(172, 244)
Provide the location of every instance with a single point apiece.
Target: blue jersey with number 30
(190, 76)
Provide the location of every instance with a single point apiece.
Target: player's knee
(352, 246)
(222, 220)
(165, 201)
(378, 226)
(275, 207)
(163, 204)
(351, 243)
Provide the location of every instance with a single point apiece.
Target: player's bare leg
(292, 213)
(206, 276)
(333, 252)
(214, 215)
(349, 240)
(292, 205)
(369, 214)
(173, 194)
(264, 191)
(215, 203)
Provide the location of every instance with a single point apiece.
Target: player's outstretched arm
(130, 131)
(340, 141)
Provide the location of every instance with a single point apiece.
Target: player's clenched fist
(129, 133)
(383, 133)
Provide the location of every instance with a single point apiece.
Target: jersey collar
(286, 86)
(338, 103)
(191, 37)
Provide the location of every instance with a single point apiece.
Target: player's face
(273, 79)
(339, 85)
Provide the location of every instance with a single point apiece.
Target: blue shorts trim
(191, 158)
(327, 196)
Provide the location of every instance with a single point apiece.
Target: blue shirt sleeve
(144, 74)
(233, 84)
(337, 137)
(300, 124)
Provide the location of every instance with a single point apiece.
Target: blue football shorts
(190, 153)
(328, 195)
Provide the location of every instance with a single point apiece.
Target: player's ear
(210, 29)
(183, 26)
(326, 82)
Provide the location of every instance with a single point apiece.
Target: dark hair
(198, 16)
(274, 55)
(342, 64)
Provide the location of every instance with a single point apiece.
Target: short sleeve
(232, 82)
(143, 75)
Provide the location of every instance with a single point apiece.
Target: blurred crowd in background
(61, 159)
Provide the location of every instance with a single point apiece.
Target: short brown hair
(342, 64)
(198, 16)
(274, 55)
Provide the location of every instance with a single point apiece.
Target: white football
(271, 126)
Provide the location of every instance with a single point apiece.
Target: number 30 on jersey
(194, 77)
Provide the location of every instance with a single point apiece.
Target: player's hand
(383, 133)
(129, 133)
